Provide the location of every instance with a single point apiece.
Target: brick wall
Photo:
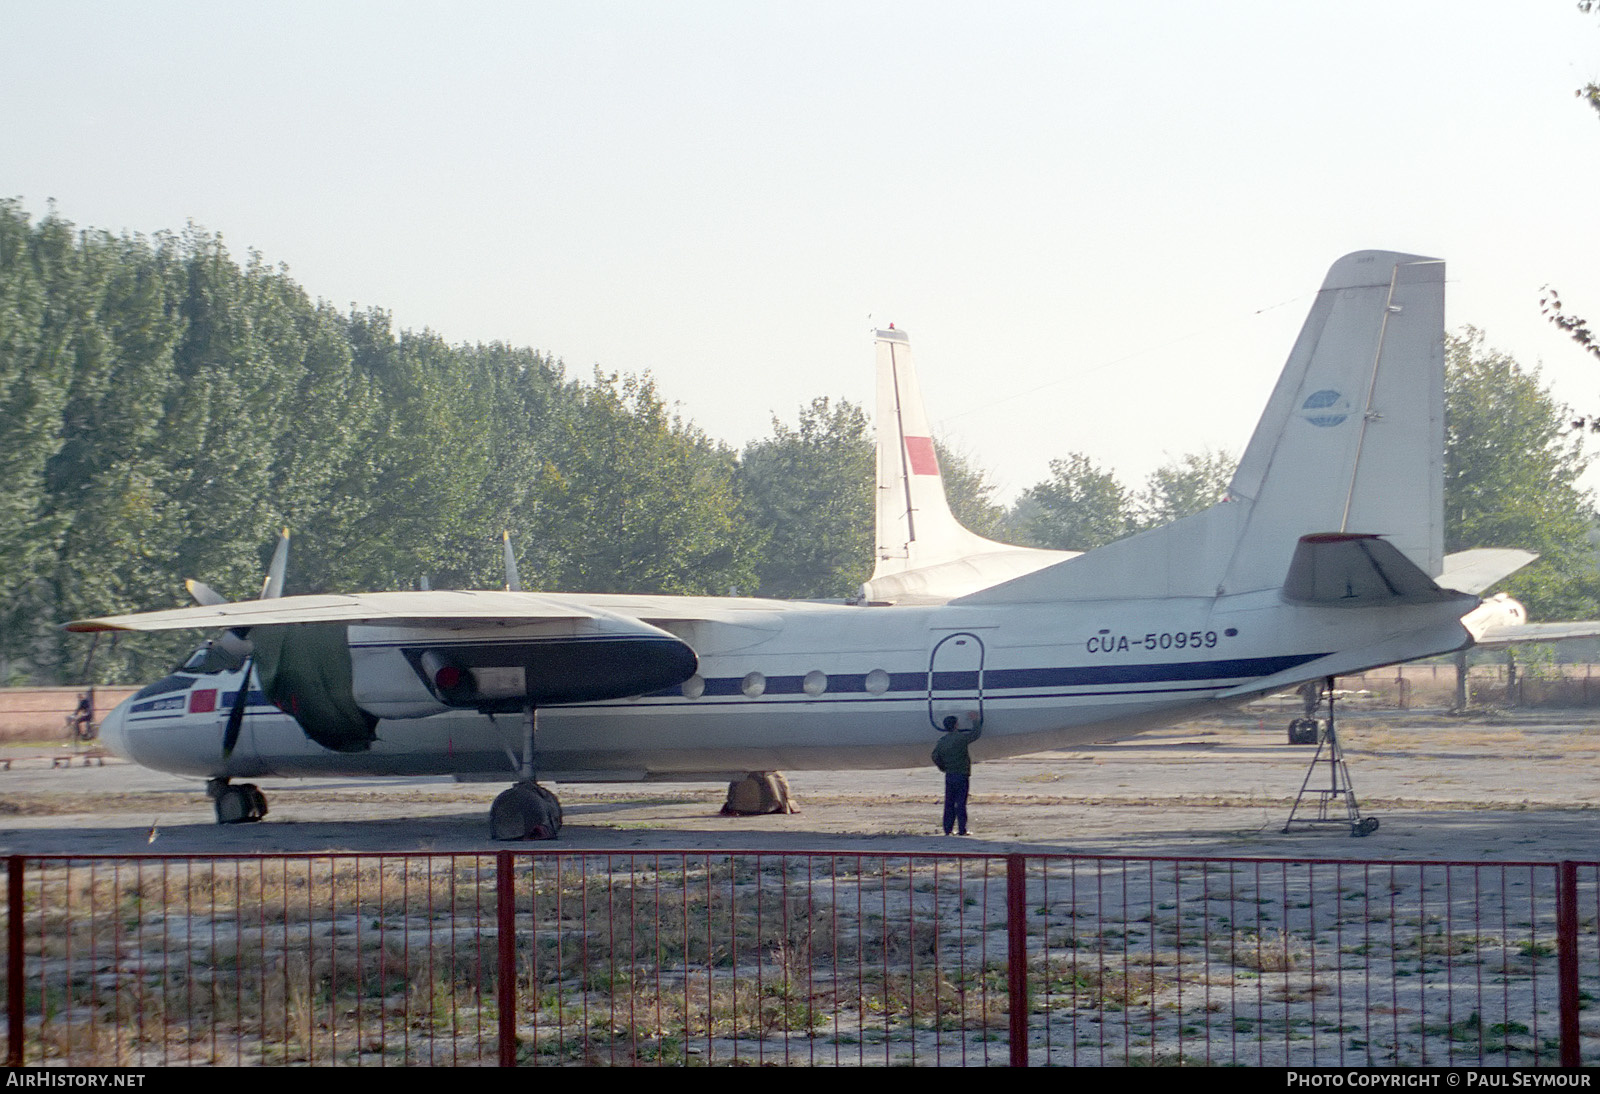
(40, 714)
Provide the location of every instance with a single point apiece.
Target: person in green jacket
(950, 756)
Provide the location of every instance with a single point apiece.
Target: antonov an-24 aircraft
(1325, 558)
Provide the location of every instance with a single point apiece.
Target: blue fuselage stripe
(1229, 672)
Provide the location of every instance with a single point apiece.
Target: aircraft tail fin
(1352, 441)
(923, 554)
(1353, 437)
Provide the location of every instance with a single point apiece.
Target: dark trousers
(955, 801)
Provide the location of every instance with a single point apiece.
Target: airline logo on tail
(1325, 408)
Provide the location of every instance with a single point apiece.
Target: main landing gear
(1307, 730)
(527, 810)
(241, 804)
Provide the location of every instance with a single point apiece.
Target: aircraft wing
(1499, 621)
(1519, 634)
(386, 607)
(299, 648)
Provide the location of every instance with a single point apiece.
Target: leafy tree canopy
(1511, 474)
(811, 488)
(1182, 487)
(1080, 506)
(969, 492)
(166, 408)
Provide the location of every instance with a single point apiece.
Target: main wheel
(237, 804)
(1304, 731)
(525, 811)
(552, 806)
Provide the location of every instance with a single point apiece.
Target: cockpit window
(210, 657)
(164, 685)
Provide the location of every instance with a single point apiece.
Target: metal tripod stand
(1325, 800)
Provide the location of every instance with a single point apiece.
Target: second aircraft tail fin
(922, 553)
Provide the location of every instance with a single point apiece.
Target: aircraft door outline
(955, 680)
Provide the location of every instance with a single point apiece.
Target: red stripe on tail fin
(923, 459)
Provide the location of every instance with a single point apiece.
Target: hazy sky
(1100, 224)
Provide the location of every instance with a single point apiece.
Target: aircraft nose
(113, 731)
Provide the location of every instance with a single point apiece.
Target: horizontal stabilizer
(1345, 570)
(1475, 570)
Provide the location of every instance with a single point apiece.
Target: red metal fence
(543, 957)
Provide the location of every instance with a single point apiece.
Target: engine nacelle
(413, 673)
(459, 686)
(506, 675)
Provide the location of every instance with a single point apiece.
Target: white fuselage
(785, 685)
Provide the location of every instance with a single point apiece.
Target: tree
(164, 409)
(970, 493)
(1550, 304)
(640, 501)
(1080, 506)
(1179, 488)
(112, 320)
(1083, 506)
(33, 388)
(1511, 476)
(1589, 92)
(810, 491)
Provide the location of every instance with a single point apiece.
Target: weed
(1266, 951)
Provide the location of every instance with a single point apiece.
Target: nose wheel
(243, 803)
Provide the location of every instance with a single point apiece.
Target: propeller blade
(234, 640)
(513, 579)
(272, 587)
(203, 594)
(230, 735)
